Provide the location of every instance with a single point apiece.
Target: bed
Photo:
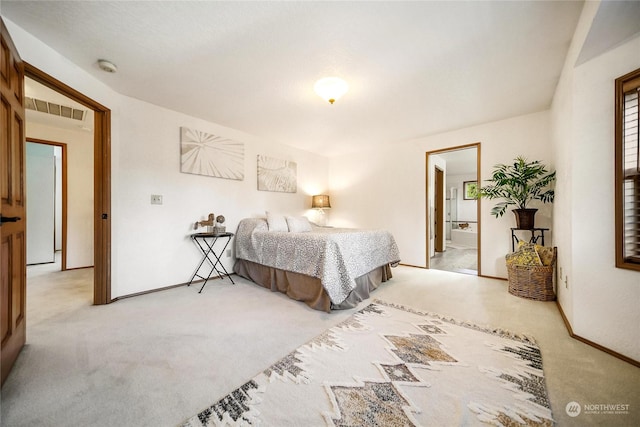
(326, 268)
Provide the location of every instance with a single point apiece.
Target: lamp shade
(331, 88)
(320, 201)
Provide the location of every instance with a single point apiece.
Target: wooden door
(12, 210)
(439, 211)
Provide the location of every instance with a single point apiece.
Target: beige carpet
(389, 365)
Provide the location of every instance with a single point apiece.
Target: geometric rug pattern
(390, 365)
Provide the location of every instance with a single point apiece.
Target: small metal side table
(536, 234)
(206, 243)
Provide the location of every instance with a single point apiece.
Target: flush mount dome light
(331, 88)
(107, 66)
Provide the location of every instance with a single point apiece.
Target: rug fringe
(504, 333)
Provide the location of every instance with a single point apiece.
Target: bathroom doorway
(453, 219)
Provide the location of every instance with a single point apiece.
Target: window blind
(631, 176)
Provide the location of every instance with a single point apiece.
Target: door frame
(102, 180)
(475, 145)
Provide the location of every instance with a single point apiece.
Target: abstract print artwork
(202, 153)
(277, 175)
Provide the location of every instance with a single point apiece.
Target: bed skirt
(309, 289)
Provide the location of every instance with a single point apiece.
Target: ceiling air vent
(54, 109)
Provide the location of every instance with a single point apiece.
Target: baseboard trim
(62, 269)
(166, 288)
(41, 263)
(411, 265)
(78, 268)
(492, 277)
(591, 343)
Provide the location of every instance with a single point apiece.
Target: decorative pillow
(546, 254)
(525, 255)
(298, 224)
(250, 225)
(276, 222)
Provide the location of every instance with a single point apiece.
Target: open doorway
(453, 214)
(56, 121)
(100, 209)
(60, 194)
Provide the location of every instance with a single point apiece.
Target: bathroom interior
(460, 252)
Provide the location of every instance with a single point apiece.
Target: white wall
(600, 300)
(383, 188)
(467, 209)
(395, 176)
(154, 249)
(150, 248)
(79, 189)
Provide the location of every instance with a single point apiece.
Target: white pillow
(276, 222)
(299, 224)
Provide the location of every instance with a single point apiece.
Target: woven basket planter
(532, 281)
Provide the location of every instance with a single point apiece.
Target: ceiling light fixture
(331, 88)
(107, 66)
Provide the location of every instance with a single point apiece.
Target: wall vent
(54, 109)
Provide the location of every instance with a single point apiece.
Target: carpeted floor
(158, 359)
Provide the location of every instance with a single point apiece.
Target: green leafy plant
(518, 184)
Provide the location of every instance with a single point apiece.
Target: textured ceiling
(414, 68)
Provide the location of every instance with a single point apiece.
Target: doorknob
(9, 219)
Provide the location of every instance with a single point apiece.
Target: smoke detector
(107, 66)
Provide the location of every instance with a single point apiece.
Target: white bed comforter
(336, 256)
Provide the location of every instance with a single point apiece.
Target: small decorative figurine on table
(209, 223)
(219, 228)
(214, 224)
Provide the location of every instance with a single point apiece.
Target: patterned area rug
(389, 365)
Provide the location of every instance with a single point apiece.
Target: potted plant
(518, 184)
